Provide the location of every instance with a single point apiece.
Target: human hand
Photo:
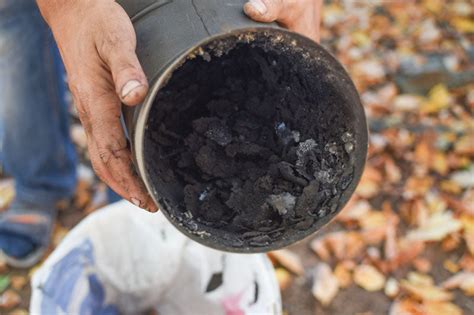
(97, 44)
(301, 16)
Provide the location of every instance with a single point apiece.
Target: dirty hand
(301, 16)
(97, 43)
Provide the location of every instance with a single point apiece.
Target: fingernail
(129, 87)
(136, 202)
(259, 6)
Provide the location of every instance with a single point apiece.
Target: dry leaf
(467, 263)
(369, 184)
(462, 280)
(9, 299)
(407, 102)
(343, 275)
(441, 308)
(391, 288)
(283, 277)
(425, 292)
(465, 178)
(439, 98)
(18, 282)
(451, 242)
(465, 145)
(7, 192)
(289, 260)
(369, 278)
(422, 265)
(354, 212)
(406, 307)
(319, 247)
(450, 266)
(78, 136)
(325, 285)
(438, 226)
(417, 186)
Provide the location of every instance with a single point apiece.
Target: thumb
(301, 16)
(129, 79)
(263, 10)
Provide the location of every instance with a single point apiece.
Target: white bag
(123, 260)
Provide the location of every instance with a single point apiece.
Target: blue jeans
(35, 147)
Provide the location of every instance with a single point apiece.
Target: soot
(249, 146)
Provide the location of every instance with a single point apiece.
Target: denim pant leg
(35, 147)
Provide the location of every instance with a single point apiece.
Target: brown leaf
(462, 280)
(406, 307)
(289, 260)
(343, 275)
(438, 226)
(467, 262)
(18, 282)
(422, 265)
(9, 299)
(369, 278)
(283, 277)
(394, 175)
(425, 292)
(450, 266)
(7, 192)
(320, 248)
(441, 308)
(465, 145)
(369, 184)
(325, 284)
(355, 211)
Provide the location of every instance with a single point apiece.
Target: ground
(405, 242)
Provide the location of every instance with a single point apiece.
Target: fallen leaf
(283, 277)
(9, 299)
(391, 288)
(425, 292)
(465, 178)
(407, 102)
(320, 248)
(78, 136)
(18, 282)
(467, 262)
(450, 187)
(3, 265)
(369, 278)
(437, 227)
(369, 184)
(422, 265)
(465, 145)
(325, 284)
(420, 278)
(462, 280)
(417, 186)
(7, 192)
(59, 233)
(451, 242)
(289, 260)
(343, 275)
(394, 175)
(441, 308)
(439, 98)
(450, 266)
(406, 307)
(355, 212)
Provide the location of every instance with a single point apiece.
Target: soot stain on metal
(247, 142)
